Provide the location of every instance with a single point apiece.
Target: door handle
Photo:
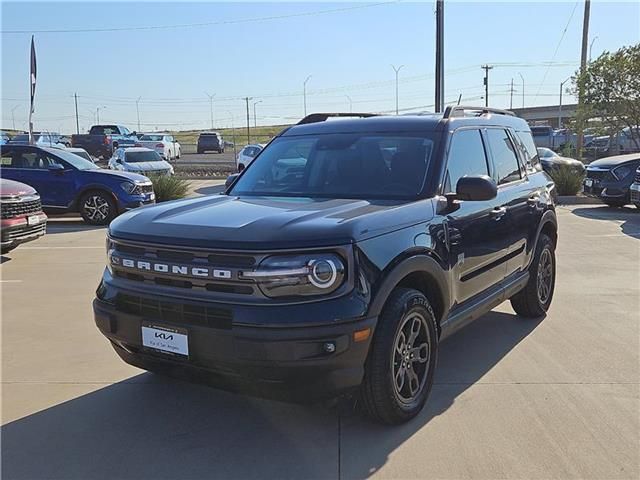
(498, 212)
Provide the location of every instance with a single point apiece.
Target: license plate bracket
(33, 220)
(165, 339)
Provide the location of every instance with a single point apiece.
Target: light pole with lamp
(304, 94)
(397, 70)
(560, 105)
(255, 121)
(350, 103)
(522, 88)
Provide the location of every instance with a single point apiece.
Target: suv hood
(133, 177)
(11, 188)
(615, 160)
(261, 223)
(147, 166)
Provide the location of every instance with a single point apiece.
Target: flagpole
(32, 87)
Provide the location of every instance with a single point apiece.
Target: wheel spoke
(414, 382)
(399, 378)
(416, 324)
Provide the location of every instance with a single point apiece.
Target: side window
(505, 159)
(22, 160)
(532, 161)
(466, 158)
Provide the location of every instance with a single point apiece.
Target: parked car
(22, 219)
(551, 160)
(167, 146)
(343, 277)
(69, 183)
(39, 139)
(621, 142)
(634, 190)
(140, 160)
(64, 140)
(610, 178)
(4, 138)
(103, 140)
(542, 135)
(210, 141)
(247, 154)
(81, 152)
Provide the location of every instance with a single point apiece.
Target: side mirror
(230, 179)
(56, 168)
(118, 160)
(476, 188)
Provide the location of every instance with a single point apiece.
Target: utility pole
(255, 121)
(560, 105)
(397, 70)
(439, 100)
(98, 113)
(350, 103)
(486, 69)
(583, 66)
(522, 88)
(233, 132)
(511, 96)
(246, 99)
(304, 94)
(211, 106)
(75, 97)
(13, 118)
(138, 112)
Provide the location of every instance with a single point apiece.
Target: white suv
(247, 154)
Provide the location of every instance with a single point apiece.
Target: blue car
(69, 183)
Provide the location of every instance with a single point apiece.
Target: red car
(22, 218)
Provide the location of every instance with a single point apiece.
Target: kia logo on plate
(164, 336)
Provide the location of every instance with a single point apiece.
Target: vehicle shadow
(629, 215)
(151, 427)
(66, 224)
(211, 190)
(4, 258)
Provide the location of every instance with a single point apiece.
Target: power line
(555, 52)
(203, 24)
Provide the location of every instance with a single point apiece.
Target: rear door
(477, 230)
(516, 194)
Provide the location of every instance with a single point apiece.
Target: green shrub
(169, 187)
(568, 181)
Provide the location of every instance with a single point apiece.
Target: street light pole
(13, 118)
(246, 99)
(98, 113)
(522, 88)
(591, 46)
(350, 104)
(304, 94)
(211, 106)
(560, 105)
(138, 112)
(397, 70)
(255, 121)
(233, 132)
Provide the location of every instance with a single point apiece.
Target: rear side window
(532, 161)
(505, 159)
(467, 157)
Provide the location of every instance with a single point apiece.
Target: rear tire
(534, 299)
(97, 207)
(402, 359)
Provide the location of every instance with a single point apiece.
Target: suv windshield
(75, 160)
(152, 138)
(136, 157)
(368, 165)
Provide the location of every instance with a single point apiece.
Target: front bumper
(135, 201)
(634, 193)
(16, 231)
(606, 190)
(290, 363)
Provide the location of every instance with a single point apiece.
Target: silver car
(140, 160)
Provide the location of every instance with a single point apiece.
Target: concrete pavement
(557, 398)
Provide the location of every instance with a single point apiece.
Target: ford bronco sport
(338, 260)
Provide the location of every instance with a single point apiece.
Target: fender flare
(547, 217)
(419, 263)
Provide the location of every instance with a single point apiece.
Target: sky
(266, 50)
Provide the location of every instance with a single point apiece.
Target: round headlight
(323, 273)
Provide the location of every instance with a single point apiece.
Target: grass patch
(568, 181)
(258, 135)
(169, 187)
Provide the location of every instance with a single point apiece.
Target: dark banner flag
(32, 86)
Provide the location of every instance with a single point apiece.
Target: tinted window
(505, 159)
(104, 130)
(27, 160)
(531, 153)
(151, 138)
(73, 159)
(339, 166)
(466, 158)
(136, 157)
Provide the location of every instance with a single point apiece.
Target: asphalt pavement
(557, 398)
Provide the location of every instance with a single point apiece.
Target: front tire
(534, 299)
(97, 207)
(402, 359)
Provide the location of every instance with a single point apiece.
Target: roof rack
(460, 111)
(322, 117)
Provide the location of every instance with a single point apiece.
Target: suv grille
(637, 177)
(180, 313)
(16, 209)
(598, 174)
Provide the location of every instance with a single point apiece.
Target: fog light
(329, 347)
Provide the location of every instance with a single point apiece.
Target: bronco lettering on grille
(176, 269)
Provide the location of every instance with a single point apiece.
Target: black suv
(338, 260)
(211, 141)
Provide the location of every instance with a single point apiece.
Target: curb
(577, 200)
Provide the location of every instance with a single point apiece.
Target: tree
(610, 87)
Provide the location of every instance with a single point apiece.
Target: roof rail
(322, 117)
(460, 111)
